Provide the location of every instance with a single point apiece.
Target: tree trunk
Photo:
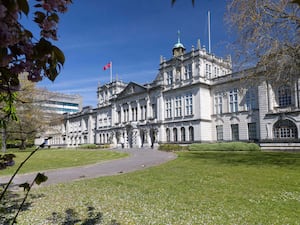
(4, 137)
(23, 144)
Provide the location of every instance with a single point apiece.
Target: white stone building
(195, 97)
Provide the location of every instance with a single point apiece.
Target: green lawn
(196, 188)
(59, 158)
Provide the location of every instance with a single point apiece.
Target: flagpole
(209, 41)
(110, 71)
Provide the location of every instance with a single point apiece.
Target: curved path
(138, 159)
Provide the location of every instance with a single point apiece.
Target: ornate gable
(132, 89)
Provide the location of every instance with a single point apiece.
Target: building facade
(195, 97)
(55, 102)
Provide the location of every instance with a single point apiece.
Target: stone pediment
(132, 89)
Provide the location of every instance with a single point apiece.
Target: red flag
(107, 66)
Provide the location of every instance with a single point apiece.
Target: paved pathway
(138, 159)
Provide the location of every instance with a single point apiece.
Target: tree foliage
(21, 52)
(31, 117)
(268, 35)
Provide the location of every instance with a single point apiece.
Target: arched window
(285, 129)
(182, 131)
(191, 133)
(284, 96)
(168, 135)
(175, 137)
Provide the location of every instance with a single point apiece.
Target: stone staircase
(285, 147)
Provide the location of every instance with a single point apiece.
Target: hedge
(225, 146)
(172, 147)
(93, 146)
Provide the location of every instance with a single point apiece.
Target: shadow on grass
(248, 158)
(10, 205)
(70, 217)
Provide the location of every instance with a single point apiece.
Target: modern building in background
(55, 105)
(195, 97)
(55, 102)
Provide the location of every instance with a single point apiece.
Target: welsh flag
(107, 66)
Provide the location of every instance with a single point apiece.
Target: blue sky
(132, 34)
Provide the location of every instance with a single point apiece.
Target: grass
(59, 158)
(196, 188)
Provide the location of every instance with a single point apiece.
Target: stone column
(147, 107)
(138, 110)
(129, 116)
(160, 108)
(90, 130)
(67, 137)
(114, 139)
(148, 137)
(113, 115)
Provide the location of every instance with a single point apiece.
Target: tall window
(188, 71)
(218, 103)
(235, 132)
(170, 77)
(168, 135)
(168, 108)
(233, 100)
(178, 110)
(219, 129)
(189, 104)
(251, 100)
(208, 71)
(175, 136)
(285, 129)
(252, 131)
(284, 96)
(182, 131)
(191, 133)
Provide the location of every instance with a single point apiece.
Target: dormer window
(188, 71)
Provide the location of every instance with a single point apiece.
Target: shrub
(104, 146)
(228, 146)
(172, 147)
(93, 146)
(88, 146)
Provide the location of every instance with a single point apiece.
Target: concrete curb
(139, 159)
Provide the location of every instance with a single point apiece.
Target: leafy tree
(267, 36)
(21, 52)
(31, 117)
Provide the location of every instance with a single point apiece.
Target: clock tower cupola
(178, 48)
